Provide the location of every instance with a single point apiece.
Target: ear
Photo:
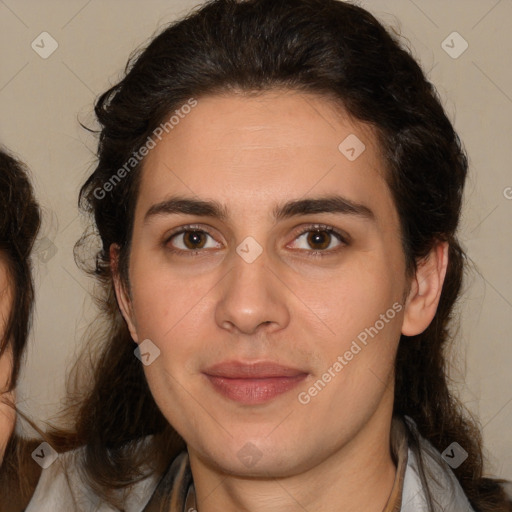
(123, 298)
(425, 290)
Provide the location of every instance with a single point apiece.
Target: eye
(190, 239)
(321, 238)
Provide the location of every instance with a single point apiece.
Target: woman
(7, 415)
(277, 195)
(19, 224)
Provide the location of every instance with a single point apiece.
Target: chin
(253, 457)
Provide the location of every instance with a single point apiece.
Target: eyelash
(322, 228)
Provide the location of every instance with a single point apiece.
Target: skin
(251, 154)
(7, 414)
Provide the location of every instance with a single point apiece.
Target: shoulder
(445, 489)
(62, 488)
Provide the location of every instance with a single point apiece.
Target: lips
(253, 383)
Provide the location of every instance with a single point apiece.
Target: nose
(252, 296)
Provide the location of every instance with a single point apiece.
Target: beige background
(42, 100)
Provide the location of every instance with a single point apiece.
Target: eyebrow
(208, 208)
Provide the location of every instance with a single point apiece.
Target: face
(276, 323)
(7, 415)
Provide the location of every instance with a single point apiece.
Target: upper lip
(255, 370)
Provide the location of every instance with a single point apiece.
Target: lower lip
(254, 391)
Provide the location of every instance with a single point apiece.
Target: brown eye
(191, 240)
(319, 239)
(194, 239)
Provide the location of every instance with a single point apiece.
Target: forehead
(279, 145)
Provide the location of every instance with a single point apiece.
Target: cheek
(160, 295)
(356, 298)
(7, 413)
(170, 311)
(364, 313)
(7, 416)
(357, 365)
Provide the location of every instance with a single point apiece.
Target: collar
(399, 452)
(175, 492)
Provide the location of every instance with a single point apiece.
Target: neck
(358, 476)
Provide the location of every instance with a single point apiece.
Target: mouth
(253, 383)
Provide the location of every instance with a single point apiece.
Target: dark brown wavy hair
(324, 47)
(20, 220)
(19, 225)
